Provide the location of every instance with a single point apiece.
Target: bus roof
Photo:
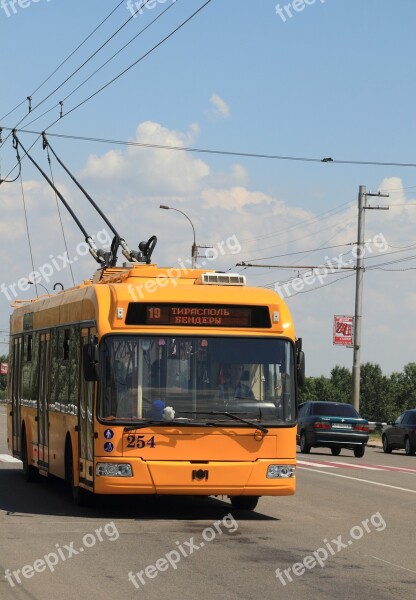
(106, 297)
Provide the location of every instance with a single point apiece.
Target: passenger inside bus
(231, 387)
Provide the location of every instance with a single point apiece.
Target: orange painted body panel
(236, 459)
(173, 477)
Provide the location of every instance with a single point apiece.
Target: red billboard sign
(4, 368)
(343, 333)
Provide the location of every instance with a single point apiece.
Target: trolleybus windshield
(188, 379)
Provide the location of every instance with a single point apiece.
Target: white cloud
(221, 108)
(130, 184)
(151, 170)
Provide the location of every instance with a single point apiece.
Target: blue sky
(334, 80)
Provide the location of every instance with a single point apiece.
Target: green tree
(341, 384)
(375, 393)
(315, 388)
(403, 390)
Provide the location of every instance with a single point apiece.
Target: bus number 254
(140, 441)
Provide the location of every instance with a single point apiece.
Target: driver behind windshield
(231, 387)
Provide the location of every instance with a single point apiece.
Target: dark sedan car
(331, 425)
(401, 433)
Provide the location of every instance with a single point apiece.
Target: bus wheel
(244, 502)
(80, 496)
(30, 472)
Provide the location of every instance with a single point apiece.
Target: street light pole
(362, 204)
(36, 283)
(194, 246)
(356, 364)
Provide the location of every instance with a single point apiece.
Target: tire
(359, 451)
(409, 447)
(80, 496)
(30, 472)
(244, 502)
(305, 448)
(335, 451)
(386, 446)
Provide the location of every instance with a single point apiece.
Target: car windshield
(188, 379)
(334, 410)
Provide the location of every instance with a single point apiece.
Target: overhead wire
(59, 215)
(108, 40)
(103, 65)
(210, 150)
(301, 252)
(125, 70)
(64, 61)
(28, 231)
(96, 253)
(59, 66)
(145, 55)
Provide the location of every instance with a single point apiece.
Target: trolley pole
(356, 365)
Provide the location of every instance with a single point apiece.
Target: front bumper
(201, 479)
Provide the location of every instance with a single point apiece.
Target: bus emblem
(108, 434)
(108, 447)
(199, 474)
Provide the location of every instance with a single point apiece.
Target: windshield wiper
(143, 424)
(230, 415)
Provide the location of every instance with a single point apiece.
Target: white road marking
(394, 487)
(313, 463)
(390, 468)
(8, 459)
(392, 564)
(358, 466)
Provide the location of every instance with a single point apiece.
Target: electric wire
(108, 40)
(60, 217)
(63, 62)
(103, 65)
(210, 150)
(123, 72)
(29, 98)
(69, 209)
(102, 88)
(302, 252)
(322, 286)
(28, 232)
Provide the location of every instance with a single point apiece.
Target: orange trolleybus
(146, 380)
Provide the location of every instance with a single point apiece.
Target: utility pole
(356, 365)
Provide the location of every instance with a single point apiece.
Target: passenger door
(15, 394)
(43, 416)
(86, 419)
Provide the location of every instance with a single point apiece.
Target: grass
(375, 436)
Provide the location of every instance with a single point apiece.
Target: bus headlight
(114, 470)
(280, 471)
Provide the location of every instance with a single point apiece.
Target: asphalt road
(347, 533)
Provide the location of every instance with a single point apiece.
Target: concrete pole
(362, 204)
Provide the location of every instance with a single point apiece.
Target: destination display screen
(197, 315)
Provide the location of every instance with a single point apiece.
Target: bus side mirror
(300, 363)
(301, 368)
(90, 362)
